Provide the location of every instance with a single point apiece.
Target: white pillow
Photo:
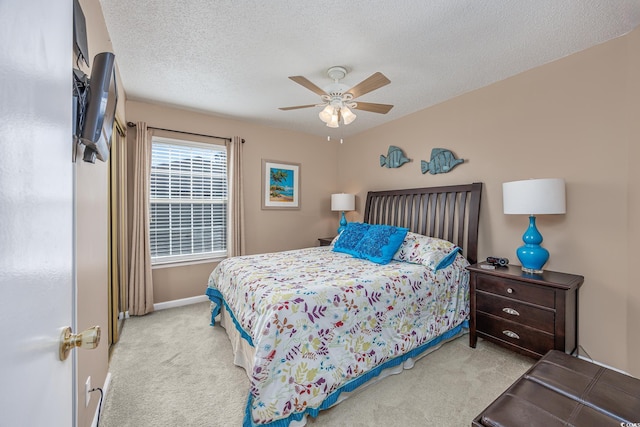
(431, 252)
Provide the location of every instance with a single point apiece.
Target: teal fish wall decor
(394, 159)
(442, 161)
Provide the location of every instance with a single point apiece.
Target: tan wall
(567, 119)
(266, 230)
(92, 239)
(633, 284)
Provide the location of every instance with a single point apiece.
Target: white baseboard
(180, 302)
(124, 315)
(105, 389)
(602, 364)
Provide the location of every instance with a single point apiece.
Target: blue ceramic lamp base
(532, 256)
(343, 223)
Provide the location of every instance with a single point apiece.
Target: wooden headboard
(450, 212)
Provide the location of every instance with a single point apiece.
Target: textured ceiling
(232, 58)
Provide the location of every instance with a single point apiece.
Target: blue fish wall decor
(442, 161)
(394, 159)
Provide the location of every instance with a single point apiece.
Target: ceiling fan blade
(303, 81)
(375, 81)
(374, 108)
(296, 107)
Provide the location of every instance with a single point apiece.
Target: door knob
(87, 339)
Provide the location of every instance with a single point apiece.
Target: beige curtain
(140, 282)
(118, 230)
(235, 240)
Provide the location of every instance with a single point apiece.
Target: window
(188, 201)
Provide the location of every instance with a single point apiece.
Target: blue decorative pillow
(380, 243)
(350, 237)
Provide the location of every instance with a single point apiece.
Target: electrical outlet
(87, 393)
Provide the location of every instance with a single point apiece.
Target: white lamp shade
(343, 202)
(534, 196)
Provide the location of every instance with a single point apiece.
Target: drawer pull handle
(509, 290)
(511, 334)
(511, 311)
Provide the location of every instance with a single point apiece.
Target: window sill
(170, 264)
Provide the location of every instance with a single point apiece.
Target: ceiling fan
(338, 99)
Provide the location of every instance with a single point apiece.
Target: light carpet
(170, 368)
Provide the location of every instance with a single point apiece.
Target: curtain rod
(132, 125)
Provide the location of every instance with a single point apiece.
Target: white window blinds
(188, 201)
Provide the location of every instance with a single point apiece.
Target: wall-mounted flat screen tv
(99, 109)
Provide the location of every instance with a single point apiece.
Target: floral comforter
(323, 322)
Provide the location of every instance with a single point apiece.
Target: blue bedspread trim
(216, 297)
(353, 384)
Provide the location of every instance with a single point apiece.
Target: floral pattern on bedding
(319, 319)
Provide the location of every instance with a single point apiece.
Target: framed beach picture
(280, 185)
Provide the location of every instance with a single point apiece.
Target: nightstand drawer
(516, 290)
(514, 333)
(515, 311)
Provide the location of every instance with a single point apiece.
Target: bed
(311, 326)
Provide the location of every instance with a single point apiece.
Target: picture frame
(280, 185)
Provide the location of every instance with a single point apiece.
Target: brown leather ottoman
(562, 390)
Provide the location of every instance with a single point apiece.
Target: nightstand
(528, 313)
(326, 241)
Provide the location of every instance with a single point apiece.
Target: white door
(36, 212)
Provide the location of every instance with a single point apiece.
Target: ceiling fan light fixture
(347, 115)
(333, 123)
(326, 113)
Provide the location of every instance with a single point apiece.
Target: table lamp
(343, 202)
(533, 197)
